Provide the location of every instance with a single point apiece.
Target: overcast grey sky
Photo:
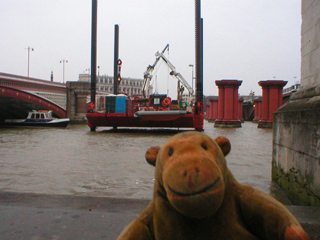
(249, 40)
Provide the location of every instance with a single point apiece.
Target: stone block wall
(296, 129)
(296, 148)
(77, 100)
(310, 42)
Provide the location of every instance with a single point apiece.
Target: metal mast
(94, 50)
(116, 56)
(199, 56)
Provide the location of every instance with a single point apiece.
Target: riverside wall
(296, 129)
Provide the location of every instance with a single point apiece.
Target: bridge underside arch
(15, 104)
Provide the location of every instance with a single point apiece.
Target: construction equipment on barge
(158, 110)
(152, 111)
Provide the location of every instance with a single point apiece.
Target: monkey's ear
(224, 144)
(151, 155)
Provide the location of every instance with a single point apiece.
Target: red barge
(129, 120)
(142, 113)
(156, 111)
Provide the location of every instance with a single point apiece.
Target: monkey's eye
(204, 146)
(170, 151)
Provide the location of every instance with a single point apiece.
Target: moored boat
(41, 118)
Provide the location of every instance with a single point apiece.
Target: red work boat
(121, 111)
(157, 111)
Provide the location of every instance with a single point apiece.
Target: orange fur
(197, 197)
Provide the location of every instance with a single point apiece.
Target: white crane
(147, 75)
(150, 68)
(179, 77)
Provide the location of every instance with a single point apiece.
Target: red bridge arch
(33, 98)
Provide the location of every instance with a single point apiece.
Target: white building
(129, 86)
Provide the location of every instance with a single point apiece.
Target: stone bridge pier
(77, 100)
(271, 101)
(212, 110)
(257, 103)
(228, 104)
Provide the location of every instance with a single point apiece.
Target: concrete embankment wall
(296, 138)
(40, 216)
(296, 150)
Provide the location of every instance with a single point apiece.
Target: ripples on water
(79, 162)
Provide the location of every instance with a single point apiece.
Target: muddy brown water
(75, 161)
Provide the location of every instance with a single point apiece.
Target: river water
(75, 161)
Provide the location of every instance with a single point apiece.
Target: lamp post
(192, 77)
(64, 63)
(29, 48)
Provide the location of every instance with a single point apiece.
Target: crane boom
(147, 75)
(175, 73)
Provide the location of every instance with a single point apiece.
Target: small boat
(41, 118)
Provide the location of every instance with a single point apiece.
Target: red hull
(129, 120)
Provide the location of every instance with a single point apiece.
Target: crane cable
(155, 79)
(168, 75)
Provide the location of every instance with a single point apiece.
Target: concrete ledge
(38, 216)
(126, 206)
(309, 218)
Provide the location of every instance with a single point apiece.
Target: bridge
(19, 95)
